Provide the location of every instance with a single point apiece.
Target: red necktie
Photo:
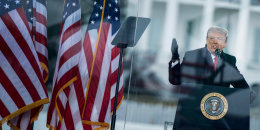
(215, 63)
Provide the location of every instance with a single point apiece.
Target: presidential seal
(214, 106)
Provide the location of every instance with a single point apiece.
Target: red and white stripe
(100, 95)
(67, 97)
(40, 36)
(21, 122)
(21, 83)
(38, 29)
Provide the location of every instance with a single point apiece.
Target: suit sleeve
(174, 71)
(241, 82)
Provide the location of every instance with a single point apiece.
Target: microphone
(217, 52)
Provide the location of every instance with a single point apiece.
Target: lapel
(208, 58)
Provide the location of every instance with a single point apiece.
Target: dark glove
(174, 49)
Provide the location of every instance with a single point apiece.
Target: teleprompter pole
(113, 121)
(128, 35)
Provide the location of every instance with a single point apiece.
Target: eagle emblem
(214, 106)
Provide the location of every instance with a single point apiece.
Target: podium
(203, 107)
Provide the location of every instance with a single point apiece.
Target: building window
(256, 47)
(255, 2)
(231, 1)
(188, 35)
(158, 16)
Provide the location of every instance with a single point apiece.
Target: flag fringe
(118, 105)
(101, 128)
(13, 126)
(24, 109)
(35, 117)
(50, 127)
(102, 124)
(44, 66)
(62, 88)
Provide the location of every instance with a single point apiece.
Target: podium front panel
(190, 116)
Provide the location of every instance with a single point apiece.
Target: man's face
(216, 40)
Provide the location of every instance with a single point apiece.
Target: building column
(242, 29)
(206, 22)
(169, 32)
(170, 28)
(144, 11)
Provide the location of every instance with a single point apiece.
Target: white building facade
(188, 22)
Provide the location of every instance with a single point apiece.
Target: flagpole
(113, 121)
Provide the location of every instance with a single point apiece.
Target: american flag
(37, 18)
(102, 64)
(29, 12)
(21, 84)
(36, 15)
(67, 95)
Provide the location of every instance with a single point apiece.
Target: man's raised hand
(174, 50)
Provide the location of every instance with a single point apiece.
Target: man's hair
(219, 30)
